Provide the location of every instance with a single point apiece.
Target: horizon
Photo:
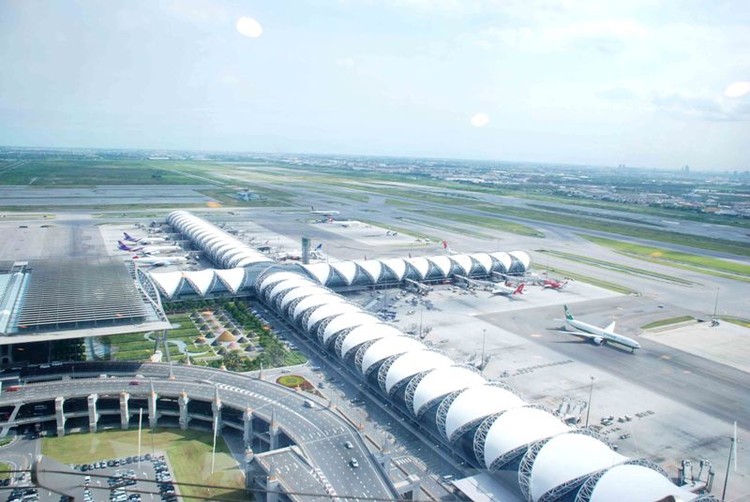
(518, 163)
(552, 82)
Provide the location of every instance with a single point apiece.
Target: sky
(649, 83)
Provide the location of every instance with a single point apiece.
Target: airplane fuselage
(604, 335)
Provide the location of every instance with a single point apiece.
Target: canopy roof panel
(347, 321)
(477, 403)
(384, 349)
(421, 265)
(443, 263)
(232, 278)
(366, 333)
(566, 457)
(397, 266)
(441, 382)
(319, 271)
(522, 257)
(168, 282)
(504, 260)
(347, 269)
(272, 279)
(484, 260)
(201, 280)
(518, 427)
(464, 263)
(371, 267)
(416, 361)
(330, 309)
(636, 482)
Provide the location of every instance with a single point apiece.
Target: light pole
(588, 407)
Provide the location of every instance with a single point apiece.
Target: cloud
(347, 62)
(608, 35)
(737, 89)
(479, 119)
(616, 94)
(249, 27)
(701, 108)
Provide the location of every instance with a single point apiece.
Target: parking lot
(126, 479)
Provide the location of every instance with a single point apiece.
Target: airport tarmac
(693, 396)
(659, 388)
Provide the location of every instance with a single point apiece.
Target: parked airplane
(509, 291)
(145, 240)
(149, 250)
(159, 262)
(553, 284)
(596, 334)
(323, 212)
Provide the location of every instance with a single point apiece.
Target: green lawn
(668, 322)
(5, 470)
(705, 264)
(66, 173)
(617, 267)
(189, 454)
(492, 223)
(592, 280)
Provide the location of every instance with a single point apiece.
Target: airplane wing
(581, 334)
(610, 328)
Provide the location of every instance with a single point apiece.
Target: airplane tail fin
(519, 289)
(568, 315)
(129, 238)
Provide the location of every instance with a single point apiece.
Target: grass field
(189, 454)
(592, 280)
(5, 470)
(617, 267)
(69, 173)
(704, 264)
(487, 222)
(668, 322)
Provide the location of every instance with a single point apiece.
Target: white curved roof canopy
(478, 403)
(366, 333)
(396, 265)
(384, 349)
(168, 282)
(298, 292)
(464, 262)
(441, 382)
(503, 258)
(443, 263)
(522, 257)
(636, 482)
(518, 427)
(371, 267)
(213, 240)
(319, 271)
(201, 280)
(286, 285)
(347, 270)
(347, 321)
(329, 310)
(312, 301)
(232, 278)
(567, 457)
(409, 364)
(274, 278)
(421, 265)
(484, 260)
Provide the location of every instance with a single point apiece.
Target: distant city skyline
(641, 83)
